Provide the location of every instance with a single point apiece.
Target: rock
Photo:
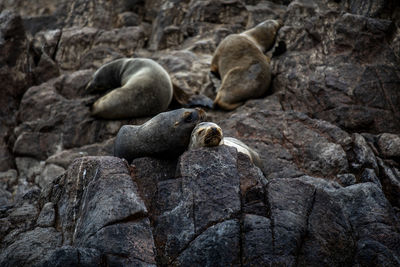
(287, 145)
(389, 145)
(71, 256)
(328, 68)
(5, 197)
(148, 173)
(257, 239)
(127, 19)
(369, 175)
(35, 8)
(262, 11)
(374, 233)
(49, 173)
(197, 202)
(210, 203)
(390, 180)
(169, 14)
(105, 218)
(8, 179)
(364, 156)
(346, 179)
(46, 69)
(25, 213)
(66, 157)
(34, 24)
(29, 168)
(47, 215)
(72, 86)
(15, 77)
(45, 144)
(77, 46)
(46, 42)
(48, 118)
(217, 246)
(29, 247)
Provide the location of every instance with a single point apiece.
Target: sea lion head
(178, 124)
(264, 33)
(106, 77)
(206, 134)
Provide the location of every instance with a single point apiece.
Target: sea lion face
(186, 119)
(271, 24)
(97, 83)
(189, 117)
(264, 33)
(106, 77)
(206, 134)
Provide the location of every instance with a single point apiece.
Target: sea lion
(168, 133)
(141, 87)
(240, 62)
(207, 134)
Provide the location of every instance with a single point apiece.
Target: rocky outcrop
(327, 191)
(76, 215)
(14, 77)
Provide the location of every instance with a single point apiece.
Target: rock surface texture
(328, 135)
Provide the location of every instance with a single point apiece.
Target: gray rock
(15, 78)
(49, 173)
(47, 215)
(77, 46)
(288, 147)
(364, 156)
(8, 179)
(322, 76)
(257, 240)
(346, 179)
(5, 197)
(369, 175)
(29, 168)
(390, 180)
(216, 246)
(389, 145)
(148, 173)
(211, 203)
(71, 256)
(29, 247)
(45, 42)
(23, 214)
(37, 145)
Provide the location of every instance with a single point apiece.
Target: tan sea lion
(240, 62)
(141, 87)
(207, 134)
(167, 134)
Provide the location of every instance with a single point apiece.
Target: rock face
(328, 190)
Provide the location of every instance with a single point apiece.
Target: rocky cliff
(328, 134)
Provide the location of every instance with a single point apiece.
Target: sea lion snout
(214, 130)
(213, 136)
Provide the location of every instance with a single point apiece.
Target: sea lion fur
(166, 134)
(207, 134)
(141, 87)
(244, 69)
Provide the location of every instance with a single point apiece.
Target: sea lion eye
(202, 130)
(189, 117)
